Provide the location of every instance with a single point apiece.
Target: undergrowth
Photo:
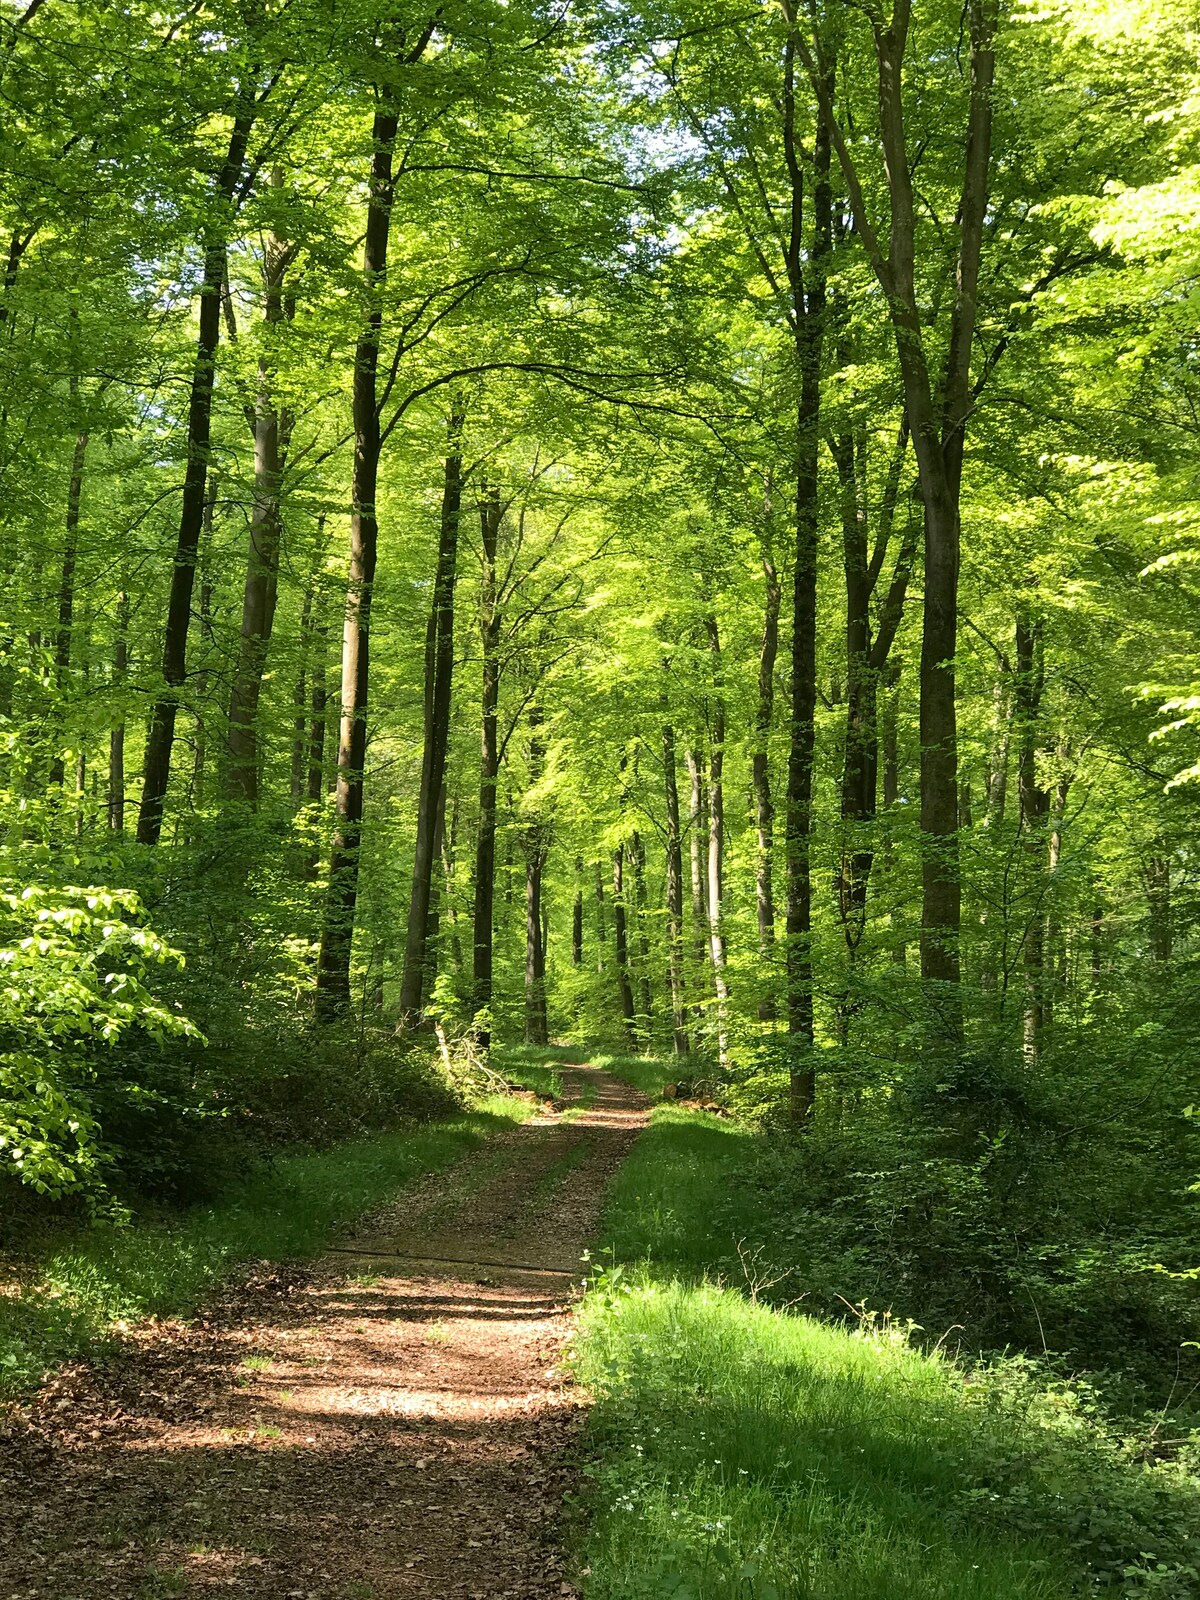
(742, 1450)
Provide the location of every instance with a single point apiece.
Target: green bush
(74, 968)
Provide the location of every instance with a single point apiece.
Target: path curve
(393, 1422)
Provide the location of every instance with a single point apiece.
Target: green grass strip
(741, 1452)
(86, 1284)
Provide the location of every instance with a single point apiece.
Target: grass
(744, 1452)
(83, 1287)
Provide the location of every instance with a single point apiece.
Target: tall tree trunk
(536, 848)
(577, 916)
(160, 736)
(601, 923)
(764, 808)
(272, 429)
(637, 862)
(208, 633)
(66, 597)
(938, 415)
(337, 933)
(536, 1031)
(716, 844)
(674, 889)
(489, 767)
(890, 739)
(808, 306)
(1035, 805)
(621, 947)
(698, 855)
(116, 737)
(439, 672)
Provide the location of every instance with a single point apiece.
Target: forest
(568, 561)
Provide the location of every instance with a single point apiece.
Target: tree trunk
(697, 850)
(577, 916)
(337, 933)
(66, 599)
(439, 672)
(1035, 805)
(160, 736)
(536, 1031)
(637, 861)
(624, 987)
(716, 845)
(601, 924)
(271, 433)
(806, 283)
(674, 895)
(116, 737)
(489, 767)
(764, 809)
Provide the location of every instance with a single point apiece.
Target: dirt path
(390, 1423)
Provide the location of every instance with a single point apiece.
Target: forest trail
(391, 1422)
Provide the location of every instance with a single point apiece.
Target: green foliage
(74, 969)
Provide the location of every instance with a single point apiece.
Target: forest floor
(393, 1420)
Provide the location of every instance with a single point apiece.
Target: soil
(393, 1421)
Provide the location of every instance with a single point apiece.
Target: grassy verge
(80, 1288)
(749, 1453)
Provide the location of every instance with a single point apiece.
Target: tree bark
(272, 429)
(637, 862)
(66, 598)
(160, 737)
(439, 673)
(716, 844)
(806, 282)
(764, 808)
(621, 947)
(938, 432)
(1035, 805)
(577, 916)
(489, 767)
(116, 737)
(674, 887)
(697, 852)
(337, 933)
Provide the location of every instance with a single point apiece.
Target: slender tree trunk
(621, 944)
(116, 737)
(536, 1031)
(536, 843)
(337, 933)
(66, 597)
(489, 767)
(439, 671)
(577, 916)
(697, 851)
(716, 845)
(271, 433)
(764, 808)
(208, 634)
(601, 922)
(890, 739)
(637, 862)
(808, 301)
(674, 888)
(1035, 803)
(160, 737)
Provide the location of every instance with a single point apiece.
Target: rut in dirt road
(391, 1423)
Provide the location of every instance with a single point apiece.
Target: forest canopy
(657, 523)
